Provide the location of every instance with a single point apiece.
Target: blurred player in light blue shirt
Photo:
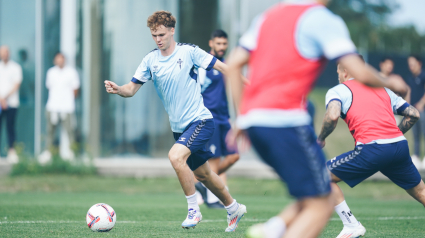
(173, 68)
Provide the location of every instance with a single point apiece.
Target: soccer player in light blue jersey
(172, 67)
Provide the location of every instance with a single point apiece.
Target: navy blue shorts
(393, 160)
(217, 144)
(296, 157)
(194, 137)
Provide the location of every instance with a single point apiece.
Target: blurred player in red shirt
(286, 48)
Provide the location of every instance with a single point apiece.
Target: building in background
(106, 40)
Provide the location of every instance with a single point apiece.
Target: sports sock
(192, 202)
(232, 208)
(211, 198)
(345, 214)
(275, 227)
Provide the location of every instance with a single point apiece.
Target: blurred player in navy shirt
(215, 99)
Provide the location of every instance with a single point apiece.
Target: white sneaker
(233, 219)
(12, 157)
(44, 157)
(348, 232)
(416, 161)
(192, 219)
(199, 198)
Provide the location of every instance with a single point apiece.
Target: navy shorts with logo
(296, 157)
(393, 160)
(195, 137)
(217, 144)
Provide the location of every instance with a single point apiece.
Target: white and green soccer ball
(101, 217)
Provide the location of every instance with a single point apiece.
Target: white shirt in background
(61, 84)
(10, 75)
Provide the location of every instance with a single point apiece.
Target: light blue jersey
(175, 80)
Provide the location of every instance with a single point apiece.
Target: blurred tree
(367, 21)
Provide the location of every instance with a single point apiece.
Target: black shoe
(216, 205)
(202, 190)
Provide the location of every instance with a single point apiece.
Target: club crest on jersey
(155, 68)
(180, 63)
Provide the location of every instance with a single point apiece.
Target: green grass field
(55, 206)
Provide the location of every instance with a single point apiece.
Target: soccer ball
(101, 217)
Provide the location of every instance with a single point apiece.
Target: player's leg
(402, 171)
(178, 156)
(11, 134)
(352, 227)
(212, 145)
(310, 221)
(227, 162)
(417, 132)
(194, 138)
(352, 167)
(418, 192)
(231, 155)
(295, 156)
(213, 182)
(212, 201)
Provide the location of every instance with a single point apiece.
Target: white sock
(192, 202)
(345, 214)
(211, 198)
(275, 227)
(232, 208)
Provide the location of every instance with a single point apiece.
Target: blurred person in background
(286, 49)
(63, 83)
(416, 82)
(379, 143)
(386, 67)
(10, 81)
(215, 99)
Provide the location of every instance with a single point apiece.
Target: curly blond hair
(159, 18)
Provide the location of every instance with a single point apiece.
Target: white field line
(218, 220)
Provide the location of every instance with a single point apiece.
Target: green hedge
(30, 166)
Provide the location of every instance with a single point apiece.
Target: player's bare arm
(237, 60)
(368, 75)
(125, 91)
(411, 116)
(330, 121)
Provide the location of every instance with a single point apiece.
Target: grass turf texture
(57, 206)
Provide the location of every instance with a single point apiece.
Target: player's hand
(111, 87)
(3, 104)
(321, 143)
(397, 84)
(238, 139)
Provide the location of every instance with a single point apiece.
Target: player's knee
(176, 160)
(202, 177)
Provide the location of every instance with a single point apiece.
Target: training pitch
(56, 206)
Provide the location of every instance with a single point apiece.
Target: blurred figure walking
(10, 81)
(386, 67)
(63, 84)
(213, 88)
(417, 84)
